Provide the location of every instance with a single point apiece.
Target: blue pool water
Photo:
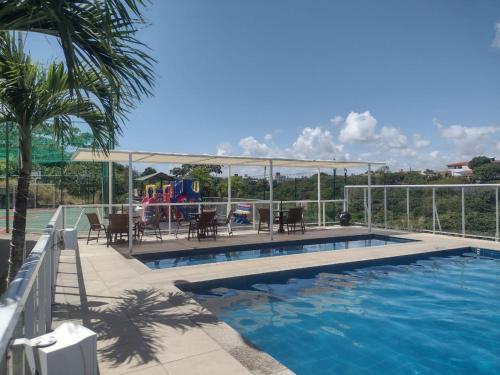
(189, 258)
(439, 315)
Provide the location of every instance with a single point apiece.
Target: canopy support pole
(110, 186)
(319, 198)
(130, 206)
(271, 216)
(369, 198)
(228, 190)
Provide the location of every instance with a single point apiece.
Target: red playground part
(179, 214)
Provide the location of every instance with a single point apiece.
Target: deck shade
(121, 156)
(130, 157)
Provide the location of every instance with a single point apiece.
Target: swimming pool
(203, 256)
(438, 315)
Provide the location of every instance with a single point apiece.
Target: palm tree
(32, 96)
(94, 34)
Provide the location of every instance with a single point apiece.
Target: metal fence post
(433, 210)
(346, 199)
(324, 216)
(169, 219)
(385, 207)
(253, 216)
(497, 233)
(408, 207)
(463, 212)
(364, 206)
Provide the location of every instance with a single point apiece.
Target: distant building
(459, 169)
(279, 178)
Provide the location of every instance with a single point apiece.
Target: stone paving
(146, 325)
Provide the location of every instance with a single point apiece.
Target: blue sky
(413, 83)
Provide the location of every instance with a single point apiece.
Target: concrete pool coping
(146, 324)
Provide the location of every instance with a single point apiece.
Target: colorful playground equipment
(242, 213)
(179, 191)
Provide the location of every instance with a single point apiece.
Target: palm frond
(96, 35)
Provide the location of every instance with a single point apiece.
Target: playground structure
(179, 191)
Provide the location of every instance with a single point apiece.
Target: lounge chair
(205, 226)
(118, 225)
(295, 216)
(153, 224)
(95, 226)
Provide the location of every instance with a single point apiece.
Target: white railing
(467, 210)
(326, 214)
(25, 308)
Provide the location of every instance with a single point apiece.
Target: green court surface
(38, 219)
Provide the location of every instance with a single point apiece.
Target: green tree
(95, 35)
(32, 97)
(487, 172)
(186, 169)
(478, 161)
(147, 171)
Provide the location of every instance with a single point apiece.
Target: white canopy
(122, 156)
(130, 157)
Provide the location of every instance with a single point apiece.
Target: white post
(324, 215)
(497, 219)
(169, 219)
(253, 216)
(271, 234)
(433, 210)
(408, 207)
(130, 206)
(346, 199)
(35, 192)
(365, 208)
(385, 207)
(463, 212)
(319, 198)
(228, 190)
(369, 198)
(110, 186)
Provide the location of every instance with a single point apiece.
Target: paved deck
(146, 325)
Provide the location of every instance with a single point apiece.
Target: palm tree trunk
(17, 245)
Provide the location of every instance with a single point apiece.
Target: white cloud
(251, 146)
(358, 127)
(392, 137)
(311, 143)
(337, 120)
(315, 143)
(224, 149)
(498, 146)
(268, 137)
(496, 39)
(469, 140)
(419, 141)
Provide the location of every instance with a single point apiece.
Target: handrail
(423, 186)
(28, 298)
(14, 299)
(201, 203)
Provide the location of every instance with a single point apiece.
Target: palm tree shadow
(130, 326)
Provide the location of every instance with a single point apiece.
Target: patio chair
(95, 226)
(227, 223)
(205, 226)
(118, 225)
(264, 220)
(295, 216)
(153, 224)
